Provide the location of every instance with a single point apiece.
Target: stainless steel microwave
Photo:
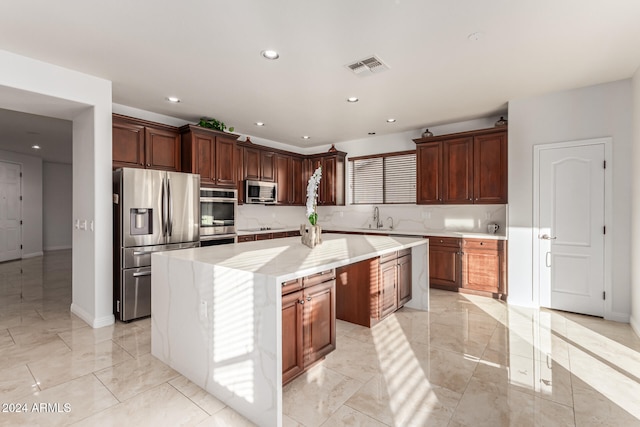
(260, 192)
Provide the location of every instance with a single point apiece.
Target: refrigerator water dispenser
(141, 221)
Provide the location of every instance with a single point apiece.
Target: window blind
(388, 178)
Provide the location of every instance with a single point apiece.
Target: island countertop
(216, 311)
(286, 258)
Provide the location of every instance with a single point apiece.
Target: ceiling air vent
(368, 66)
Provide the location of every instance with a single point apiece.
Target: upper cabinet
(259, 164)
(463, 168)
(210, 153)
(331, 190)
(141, 144)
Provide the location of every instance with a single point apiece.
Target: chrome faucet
(391, 227)
(376, 217)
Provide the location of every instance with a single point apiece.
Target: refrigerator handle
(163, 215)
(170, 204)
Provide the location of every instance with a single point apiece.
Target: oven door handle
(217, 236)
(217, 200)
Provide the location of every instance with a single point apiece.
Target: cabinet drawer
(444, 241)
(291, 285)
(280, 235)
(264, 236)
(404, 252)
(247, 238)
(293, 233)
(321, 277)
(488, 244)
(388, 257)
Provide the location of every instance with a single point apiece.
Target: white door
(10, 212)
(571, 228)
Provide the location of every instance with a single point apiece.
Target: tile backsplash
(467, 218)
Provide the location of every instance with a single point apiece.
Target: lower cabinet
(445, 258)
(370, 290)
(484, 267)
(308, 322)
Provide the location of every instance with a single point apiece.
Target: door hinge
(604, 229)
(604, 295)
(118, 306)
(20, 174)
(20, 222)
(604, 164)
(20, 197)
(20, 246)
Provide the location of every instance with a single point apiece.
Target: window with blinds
(387, 178)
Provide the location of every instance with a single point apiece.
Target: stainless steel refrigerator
(153, 211)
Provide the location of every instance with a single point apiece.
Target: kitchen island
(216, 311)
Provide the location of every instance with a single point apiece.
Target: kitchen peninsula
(216, 311)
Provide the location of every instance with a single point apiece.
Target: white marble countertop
(422, 233)
(288, 258)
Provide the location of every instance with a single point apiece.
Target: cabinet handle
(301, 301)
(308, 298)
(148, 164)
(481, 243)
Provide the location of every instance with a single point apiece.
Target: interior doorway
(10, 211)
(570, 218)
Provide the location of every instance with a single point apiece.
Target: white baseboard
(635, 325)
(32, 255)
(617, 317)
(92, 321)
(57, 248)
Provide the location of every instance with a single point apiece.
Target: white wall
(36, 87)
(635, 209)
(31, 201)
(597, 111)
(57, 185)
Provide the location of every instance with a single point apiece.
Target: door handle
(546, 237)
(144, 273)
(547, 259)
(170, 202)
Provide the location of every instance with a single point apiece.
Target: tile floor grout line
(194, 402)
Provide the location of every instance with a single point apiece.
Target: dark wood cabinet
(268, 166)
(239, 167)
(490, 168)
(445, 258)
(247, 238)
(292, 336)
(457, 171)
(404, 278)
(297, 195)
(141, 144)
(308, 322)
(484, 267)
(211, 154)
(332, 185)
(370, 290)
(252, 168)
(429, 177)
(283, 179)
(462, 168)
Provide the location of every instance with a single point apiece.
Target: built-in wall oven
(218, 211)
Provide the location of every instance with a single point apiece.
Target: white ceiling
(207, 52)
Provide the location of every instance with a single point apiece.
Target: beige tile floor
(470, 361)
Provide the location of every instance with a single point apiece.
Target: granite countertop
(416, 233)
(288, 258)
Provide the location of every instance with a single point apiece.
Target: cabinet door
(444, 267)
(239, 165)
(481, 270)
(252, 169)
(429, 164)
(225, 171)
(205, 149)
(357, 297)
(319, 321)
(283, 178)
(127, 145)
(457, 177)
(388, 290)
(490, 168)
(292, 336)
(162, 149)
(298, 191)
(404, 280)
(268, 166)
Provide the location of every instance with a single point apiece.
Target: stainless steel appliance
(153, 211)
(218, 209)
(261, 192)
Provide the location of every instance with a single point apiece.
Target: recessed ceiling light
(306, 137)
(391, 120)
(173, 99)
(270, 54)
(35, 147)
(474, 37)
(372, 133)
(352, 99)
(259, 124)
